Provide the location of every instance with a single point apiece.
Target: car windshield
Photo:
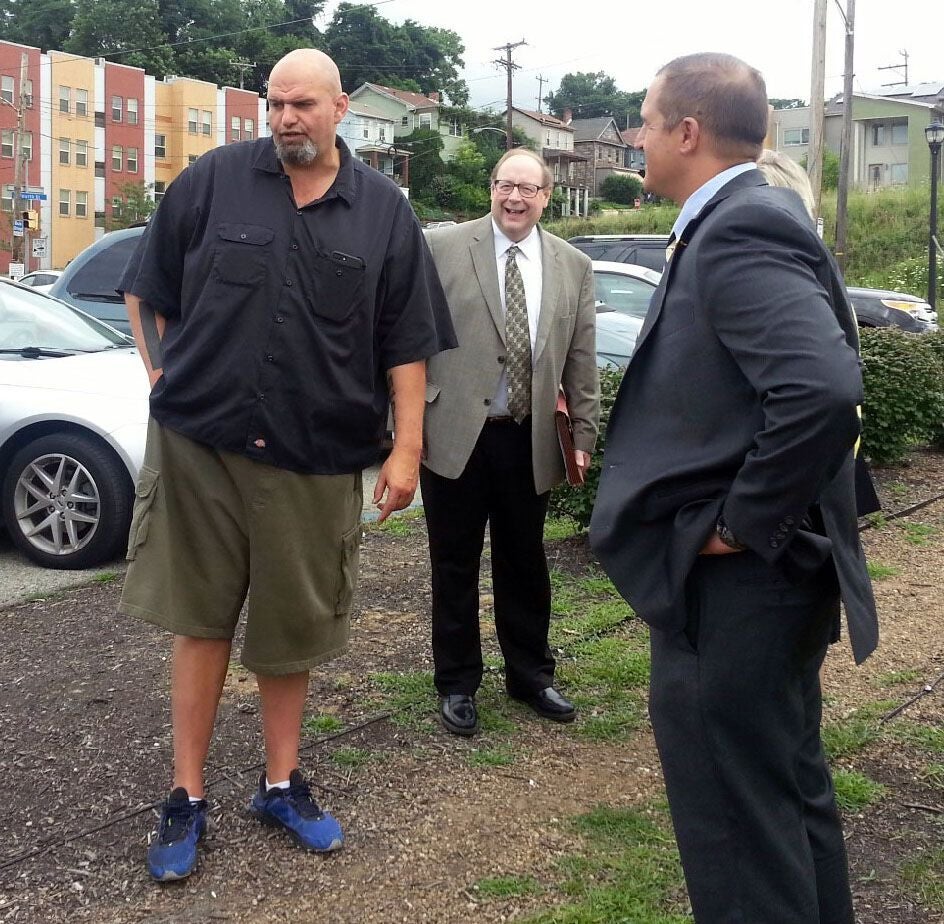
(33, 321)
(97, 278)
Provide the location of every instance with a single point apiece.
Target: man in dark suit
(726, 511)
(523, 308)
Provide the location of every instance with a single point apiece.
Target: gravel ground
(85, 749)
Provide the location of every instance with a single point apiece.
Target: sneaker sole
(170, 876)
(271, 822)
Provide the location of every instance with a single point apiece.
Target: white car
(40, 280)
(73, 420)
(622, 292)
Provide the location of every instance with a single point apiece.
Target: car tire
(89, 494)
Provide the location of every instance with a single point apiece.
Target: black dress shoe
(458, 714)
(549, 704)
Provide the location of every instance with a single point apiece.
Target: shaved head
(308, 65)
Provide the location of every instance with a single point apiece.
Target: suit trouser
(496, 487)
(736, 709)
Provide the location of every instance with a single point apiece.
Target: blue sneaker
(295, 810)
(173, 853)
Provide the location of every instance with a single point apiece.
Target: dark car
(89, 281)
(641, 249)
(873, 307)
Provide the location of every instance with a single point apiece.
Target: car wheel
(67, 501)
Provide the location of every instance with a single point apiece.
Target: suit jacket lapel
(549, 292)
(482, 251)
(742, 180)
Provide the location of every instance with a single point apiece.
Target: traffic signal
(30, 220)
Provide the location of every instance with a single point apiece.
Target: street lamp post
(935, 135)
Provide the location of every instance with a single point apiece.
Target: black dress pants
(497, 487)
(736, 709)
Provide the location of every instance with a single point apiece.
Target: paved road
(22, 580)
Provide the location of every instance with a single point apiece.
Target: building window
(160, 146)
(366, 131)
(405, 121)
(116, 204)
(99, 119)
(65, 99)
(878, 134)
(249, 128)
(132, 160)
(81, 204)
(29, 94)
(191, 160)
(6, 89)
(81, 153)
(6, 145)
(117, 154)
(793, 136)
(899, 132)
(455, 128)
(160, 187)
(192, 117)
(426, 120)
(131, 107)
(898, 175)
(116, 102)
(235, 127)
(382, 133)
(100, 168)
(6, 199)
(81, 102)
(207, 123)
(65, 149)
(27, 146)
(65, 201)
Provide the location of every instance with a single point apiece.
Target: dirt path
(84, 742)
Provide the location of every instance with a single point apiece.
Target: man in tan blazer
(522, 304)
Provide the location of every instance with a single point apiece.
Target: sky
(633, 41)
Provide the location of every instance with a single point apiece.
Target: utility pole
(242, 67)
(510, 68)
(897, 67)
(20, 249)
(845, 146)
(541, 81)
(814, 159)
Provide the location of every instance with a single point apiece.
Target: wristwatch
(727, 537)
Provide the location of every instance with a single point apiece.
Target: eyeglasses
(526, 190)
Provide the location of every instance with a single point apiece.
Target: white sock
(283, 785)
(195, 799)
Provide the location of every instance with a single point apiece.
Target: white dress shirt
(530, 265)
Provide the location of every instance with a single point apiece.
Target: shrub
(577, 503)
(904, 392)
(622, 188)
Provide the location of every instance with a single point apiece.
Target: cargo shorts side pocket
(144, 494)
(350, 556)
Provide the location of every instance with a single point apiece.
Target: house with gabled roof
(410, 111)
(600, 142)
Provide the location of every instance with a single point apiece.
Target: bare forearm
(147, 328)
(408, 391)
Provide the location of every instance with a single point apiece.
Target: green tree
(791, 103)
(426, 164)
(44, 23)
(621, 188)
(589, 95)
(830, 168)
(135, 205)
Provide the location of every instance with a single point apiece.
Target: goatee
(298, 155)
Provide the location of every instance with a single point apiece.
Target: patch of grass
(897, 490)
(559, 528)
(399, 523)
(852, 734)
(351, 757)
(106, 577)
(893, 678)
(237, 671)
(507, 887)
(628, 872)
(410, 696)
(615, 724)
(876, 520)
(933, 775)
(588, 619)
(925, 737)
(878, 571)
(491, 757)
(918, 533)
(854, 791)
(492, 718)
(926, 876)
(322, 724)
(611, 663)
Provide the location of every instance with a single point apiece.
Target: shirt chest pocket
(242, 255)
(334, 284)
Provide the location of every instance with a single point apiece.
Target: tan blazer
(462, 382)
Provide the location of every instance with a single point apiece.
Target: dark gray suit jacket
(740, 399)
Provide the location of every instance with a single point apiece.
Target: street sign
(39, 246)
(32, 195)
(16, 270)
(17, 227)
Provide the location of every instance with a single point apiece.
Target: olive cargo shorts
(208, 525)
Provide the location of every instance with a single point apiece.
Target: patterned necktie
(517, 340)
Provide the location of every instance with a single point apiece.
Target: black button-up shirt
(283, 321)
